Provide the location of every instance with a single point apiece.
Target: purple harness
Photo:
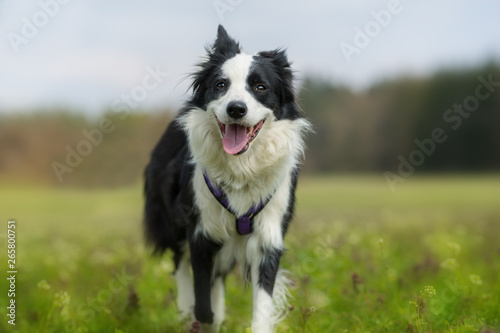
(244, 223)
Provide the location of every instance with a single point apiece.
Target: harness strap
(244, 223)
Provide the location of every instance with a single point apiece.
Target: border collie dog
(220, 186)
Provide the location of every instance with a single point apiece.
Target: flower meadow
(362, 259)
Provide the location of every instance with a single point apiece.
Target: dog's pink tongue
(235, 138)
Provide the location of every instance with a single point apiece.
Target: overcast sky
(86, 53)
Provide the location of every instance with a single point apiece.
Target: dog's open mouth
(236, 138)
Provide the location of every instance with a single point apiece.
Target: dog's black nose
(236, 110)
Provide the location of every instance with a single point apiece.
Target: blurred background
(372, 76)
(400, 186)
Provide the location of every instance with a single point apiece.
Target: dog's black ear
(289, 109)
(224, 44)
(283, 73)
(280, 59)
(222, 34)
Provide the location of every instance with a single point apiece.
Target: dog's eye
(260, 87)
(221, 85)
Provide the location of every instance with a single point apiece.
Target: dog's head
(243, 92)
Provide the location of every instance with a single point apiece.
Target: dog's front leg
(202, 257)
(264, 271)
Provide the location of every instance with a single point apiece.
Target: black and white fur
(181, 214)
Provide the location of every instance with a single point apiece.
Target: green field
(424, 258)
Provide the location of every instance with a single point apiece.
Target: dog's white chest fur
(246, 179)
(220, 225)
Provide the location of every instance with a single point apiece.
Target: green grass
(361, 255)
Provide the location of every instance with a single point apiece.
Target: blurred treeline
(368, 131)
(30, 145)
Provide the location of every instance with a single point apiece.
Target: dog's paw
(195, 327)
